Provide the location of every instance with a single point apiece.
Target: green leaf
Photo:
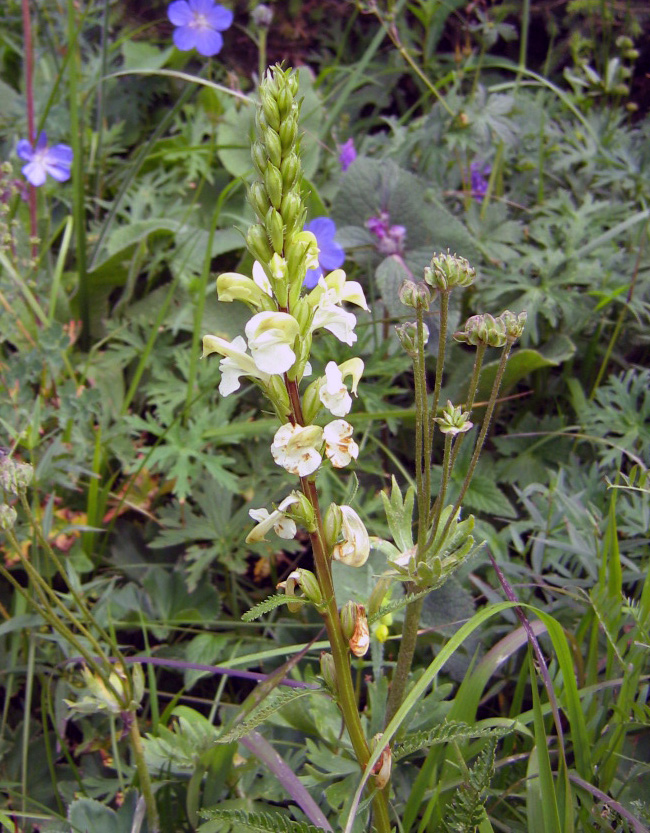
(261, 822)
(281, 699)
(399, 515)
(444, 733)
(270, 604)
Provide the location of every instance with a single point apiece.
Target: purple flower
(478, 173)
(331, 255)
(347, 154)
(390, 239)
(199, 24)
(42, 160)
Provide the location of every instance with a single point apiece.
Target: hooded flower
(331, 255)
(236, 362)
(283, 526)
(339, 445)
(199, 24)
(271, 336)
(327, 297)
(347, 154)
(297, 448)
(354, 549)
(42, 160)
(333, 392)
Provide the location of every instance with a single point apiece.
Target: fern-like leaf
(270, 604)
(397, 604)
(467, 811)
(258, 716)
(444, 733)
(260, 822)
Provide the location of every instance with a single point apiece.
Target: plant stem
(29, 98)
(405, 656)
(346, 696)
(143, 774)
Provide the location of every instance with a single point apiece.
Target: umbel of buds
(447, 271)
(492, 332)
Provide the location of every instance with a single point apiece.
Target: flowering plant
(296, 290)
(43, 160)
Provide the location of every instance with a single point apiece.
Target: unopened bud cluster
(14, 477)
(275, 196)
(447, 271)
(489, 331)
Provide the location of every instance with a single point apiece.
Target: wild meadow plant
(292, 298)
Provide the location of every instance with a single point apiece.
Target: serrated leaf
(444, 733)
(262, 822)
(260, 715)
(270, 604)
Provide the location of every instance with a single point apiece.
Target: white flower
(260, 278)
(339, 445)
(333, 393)
(339, 322)
(236, 363)
(355, 547)
(270, 337)
(283, 526)
(296, 448)
(327, 297)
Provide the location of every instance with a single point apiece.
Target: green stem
(143, 775)
(489, 411)
(346, 696)
(405, 656)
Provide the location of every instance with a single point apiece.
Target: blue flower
(199, 24)
(478, 173)
(347, 154)
(42, 160)
(331, 255)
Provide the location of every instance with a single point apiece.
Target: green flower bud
(447, 271)
(624, 42)
(8, 516)
(275, 229)
(258, 244)
(290, 170)
(258, 199)
(454, 421)
(332, 525)
(288, 134)
(293, 212)
(408, 336)
(328, 671)
(483, 329)
(513, 323)
(415, 295)
(276, 390)
(285, 103)
(260, 159)
(309, 585)
(311, 403)
(273, 146)
(273, 183)
(270, 107)
(348, 617)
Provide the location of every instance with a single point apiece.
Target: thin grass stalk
(27, 705)
(78, 184)
(31, 134)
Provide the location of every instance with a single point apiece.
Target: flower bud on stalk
(447, 271)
